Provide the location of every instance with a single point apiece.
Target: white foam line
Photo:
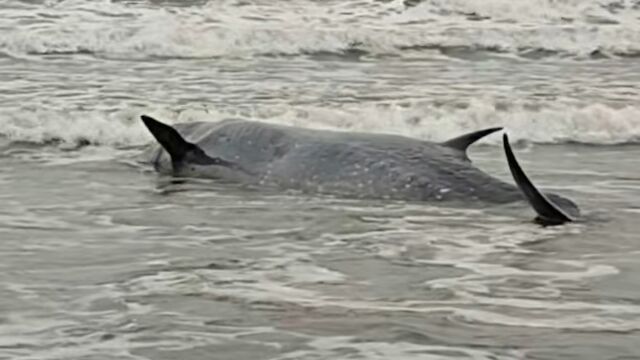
(222, 29)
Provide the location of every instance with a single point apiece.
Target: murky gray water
(103, 259)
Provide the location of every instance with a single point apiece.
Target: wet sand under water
(103, 260)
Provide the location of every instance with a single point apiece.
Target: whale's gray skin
(344, 163)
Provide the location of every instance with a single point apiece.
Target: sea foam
(239, 29)
(596, 124)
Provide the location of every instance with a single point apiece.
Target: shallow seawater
(102, 258)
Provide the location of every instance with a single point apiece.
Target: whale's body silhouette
(343, 163)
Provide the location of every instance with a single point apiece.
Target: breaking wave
(138, 30)
(596, 124)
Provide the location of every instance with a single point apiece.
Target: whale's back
(348, 163)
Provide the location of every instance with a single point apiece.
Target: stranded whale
(345, 163)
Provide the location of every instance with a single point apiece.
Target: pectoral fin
(548, 212)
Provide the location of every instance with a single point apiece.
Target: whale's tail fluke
(462, 142)
(169, 138)
(180, 150)
(548, 212)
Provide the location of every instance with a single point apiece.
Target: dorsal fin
(548, 212)
(462, 142)
(179, 149)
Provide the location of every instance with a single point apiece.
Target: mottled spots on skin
(350, 164)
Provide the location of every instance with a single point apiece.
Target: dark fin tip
(548, 213)
(169, 138)
(464, 141)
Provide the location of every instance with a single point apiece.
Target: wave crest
(596, 124)
(224, 29)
